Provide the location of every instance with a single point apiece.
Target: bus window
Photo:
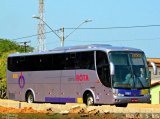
(16, 63)
(10, 64)
(44, 62)
(85, 60)
(69, 61)
(58, 61)
(103, 68)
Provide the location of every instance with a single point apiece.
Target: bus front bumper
(136, 99)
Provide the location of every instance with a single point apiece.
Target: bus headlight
(147, 94)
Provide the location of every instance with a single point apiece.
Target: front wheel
(30, 98)
(90, 100)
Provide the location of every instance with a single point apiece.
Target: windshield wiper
(136, 77)
(140, 82)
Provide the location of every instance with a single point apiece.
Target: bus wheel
(89, 100)
(30, 98)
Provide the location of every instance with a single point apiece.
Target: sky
(16, 22)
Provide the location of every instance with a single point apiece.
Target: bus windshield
(131, 70)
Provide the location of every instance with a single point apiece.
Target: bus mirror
(154, 68)
(112, 68)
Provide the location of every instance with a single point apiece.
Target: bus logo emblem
(21, 81)
(82, 77)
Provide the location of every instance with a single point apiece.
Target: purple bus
(91, 74)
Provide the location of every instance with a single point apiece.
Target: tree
(7, 47)
(3, 63)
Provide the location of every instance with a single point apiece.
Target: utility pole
(41, 27)
(25, 45)
(62, 36)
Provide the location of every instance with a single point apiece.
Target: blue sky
(16, 21)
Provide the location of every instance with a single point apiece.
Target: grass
(59, 116)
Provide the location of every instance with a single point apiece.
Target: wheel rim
(90, 101)
(30, 99)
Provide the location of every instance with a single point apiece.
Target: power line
(100, 28)
(110, 40)
(123, 27)
(29, 36)
(95, 41)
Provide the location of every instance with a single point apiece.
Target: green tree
(7, 47)
(3, 63)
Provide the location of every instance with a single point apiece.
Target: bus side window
(21, 63)
(69, 61)
(85, 60)
(12, 63)
(58, 61)
(17, 64)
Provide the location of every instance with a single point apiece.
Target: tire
(30, 97)
(89, 100)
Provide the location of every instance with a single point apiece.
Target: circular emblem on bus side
(21, 81)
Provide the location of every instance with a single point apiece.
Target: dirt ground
(10, 106)
(24, 110)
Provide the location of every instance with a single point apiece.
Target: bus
(91, 74)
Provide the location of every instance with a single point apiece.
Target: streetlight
(62, 30)
(78, 27)
(62, 38)
(36, 17)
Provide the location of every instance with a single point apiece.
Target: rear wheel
(89, 100)
(30, 97)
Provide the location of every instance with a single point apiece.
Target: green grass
(28, 116)
(59, 116)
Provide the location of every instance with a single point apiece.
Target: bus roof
(79, 48)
